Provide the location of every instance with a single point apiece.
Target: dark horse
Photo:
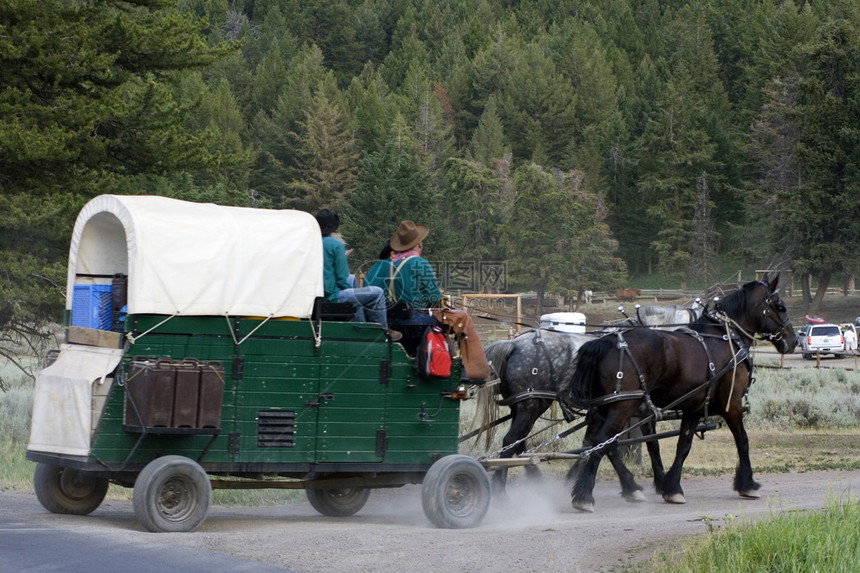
(705, 369)
(536, 368)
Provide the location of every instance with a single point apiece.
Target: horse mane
(735, 304)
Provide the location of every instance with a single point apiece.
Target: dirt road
(535, 530)
(795, 360)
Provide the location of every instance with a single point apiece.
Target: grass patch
(16, 406)
(790, 541)
(16, 473)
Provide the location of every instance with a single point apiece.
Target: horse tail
(487, 407)
(587, 369)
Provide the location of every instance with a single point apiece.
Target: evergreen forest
(580, 143)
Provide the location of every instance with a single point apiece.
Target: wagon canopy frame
(199, 259)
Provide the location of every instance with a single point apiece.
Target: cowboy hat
(328, 221)
(408, 235)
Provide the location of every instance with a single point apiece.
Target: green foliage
(539, 109)
(570, 247)
(807, 134)
(327, 163)
(394, 185)
(701, 131)
(478, 204)
(87, 104)
(87, 89)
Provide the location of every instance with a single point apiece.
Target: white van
(564, 322)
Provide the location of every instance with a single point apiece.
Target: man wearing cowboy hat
(414, 282)
(369, 301)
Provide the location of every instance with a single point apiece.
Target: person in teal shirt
(414, 283)
(369, 301)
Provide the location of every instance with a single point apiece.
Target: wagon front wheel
(172, 494)
(340, 502)
(455, 492)
(67, 490)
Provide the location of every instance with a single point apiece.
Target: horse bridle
(770, 312)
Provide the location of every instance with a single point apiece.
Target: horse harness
(738, 357)
(532, 393)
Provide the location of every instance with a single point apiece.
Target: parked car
(822, 339)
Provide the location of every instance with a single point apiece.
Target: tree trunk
(823, 282)
(805, 289)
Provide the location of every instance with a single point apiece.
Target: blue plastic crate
(91, 306)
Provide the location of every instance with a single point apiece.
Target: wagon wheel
(172, 494)
(456, 492)
(338, 502)
(69, 491)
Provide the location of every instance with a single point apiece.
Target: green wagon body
(354, 403)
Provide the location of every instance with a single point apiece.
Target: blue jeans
(369, 304)
(417, 317)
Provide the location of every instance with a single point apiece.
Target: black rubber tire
(806, 356)
(172, 494)
(340, 502)
(68, 491)
(455, 493)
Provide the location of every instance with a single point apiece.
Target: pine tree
(704, 243)
(393, 185)
(87, 105)
(827, 116)
(538, 108)
(557, 239)
(478, 204)
(327, 164)
(488, 143)
(372, 108)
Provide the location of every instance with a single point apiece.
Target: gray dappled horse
(534, 369)
(669, 317)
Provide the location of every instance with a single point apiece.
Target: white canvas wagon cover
(185, 258)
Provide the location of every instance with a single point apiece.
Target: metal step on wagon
(197, 356)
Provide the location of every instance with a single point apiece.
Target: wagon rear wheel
(341, 502)
(456, 492)
(172, 494)
(67, 490)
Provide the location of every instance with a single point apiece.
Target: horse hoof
(637, 496)
(675, 498)
(583, 506)
(750, 493)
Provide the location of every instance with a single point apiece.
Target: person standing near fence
(850, 340)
